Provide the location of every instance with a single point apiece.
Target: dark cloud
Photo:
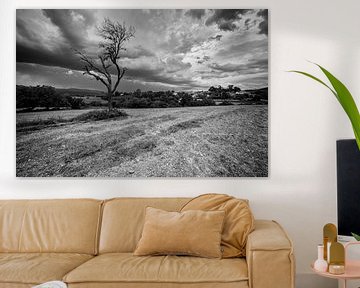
(164, 75)
(148, 74)
(136, 52)
(259, 45)
(227, 26)
(217, 37)
(252, 67)
(210, 75)
(203, 59)
(35, 74)
(65, 57)
(226, 18)
(175, 64)
(247, 23)
(23, 30)
(31, 49)
(195, 13)
(263, 25)
(228, 67)
(256, 81)
(72, 24)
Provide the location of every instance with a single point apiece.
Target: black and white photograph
(142, 93)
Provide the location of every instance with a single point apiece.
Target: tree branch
(106, 67)
(90, 63)
(95, 76)
(120, 75)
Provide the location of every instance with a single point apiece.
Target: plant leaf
(347, 102)
(316, 79)
(344, 97)
(357, 237)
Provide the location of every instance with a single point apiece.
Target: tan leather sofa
(89, 243)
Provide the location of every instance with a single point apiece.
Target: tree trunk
(110, 106)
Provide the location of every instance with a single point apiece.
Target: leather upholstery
(15, 285)
(123, 218)
(242, 284)
(73, 226)
(125, 268)
(269, 256)
(36, 268)
(239, 220)
(64, 226)
(193, 233)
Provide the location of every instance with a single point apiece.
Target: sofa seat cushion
(36, 268)
(242, 284)
(127, 268)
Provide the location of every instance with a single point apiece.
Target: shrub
(100, 114)
(225, 103)
(97, 104)
(39, 122)
(75, 103)
(95, 115)
(38, 96)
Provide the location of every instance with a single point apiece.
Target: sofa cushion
(194, 232)
(123, 220)
(36, 268)
(126, 268)
(239, 220)
(63, 226)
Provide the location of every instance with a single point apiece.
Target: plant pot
(348, 187)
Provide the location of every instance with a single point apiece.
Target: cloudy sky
(171, 50)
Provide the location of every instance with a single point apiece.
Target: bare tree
(106, 63)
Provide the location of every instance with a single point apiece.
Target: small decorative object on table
(320, 264)
(337, 258)
(329, 237)
(52, 284)
(340, 267)
(333, 251)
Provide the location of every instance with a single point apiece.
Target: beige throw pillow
(239, 220)
(194, 232)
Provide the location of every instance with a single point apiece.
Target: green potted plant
(345, 99)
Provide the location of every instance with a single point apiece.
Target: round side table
(352, 269)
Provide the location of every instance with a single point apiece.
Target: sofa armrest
(269, 256)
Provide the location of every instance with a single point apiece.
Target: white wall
(305, 120)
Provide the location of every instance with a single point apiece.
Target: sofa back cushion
(238, 224)
(123, 220)
(64, 226)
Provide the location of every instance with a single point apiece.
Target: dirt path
(228, 141)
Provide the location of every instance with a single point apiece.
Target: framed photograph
(142, 93)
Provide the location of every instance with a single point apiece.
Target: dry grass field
(44, 115)
(221, 141)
